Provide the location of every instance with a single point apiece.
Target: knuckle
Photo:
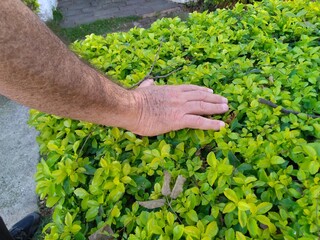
(198, 120)
(202, 105)
(202, 96)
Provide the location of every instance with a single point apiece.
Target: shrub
(212, 5)
(32, 4)
(257, 178)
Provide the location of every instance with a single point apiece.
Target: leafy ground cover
(105, 26)
(214, 4)
(258, 178)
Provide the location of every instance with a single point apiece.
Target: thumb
(147, 83)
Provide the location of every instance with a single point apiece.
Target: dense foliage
(258, 178)
(211, 5)
(32, 4)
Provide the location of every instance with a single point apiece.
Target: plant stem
(284, 110)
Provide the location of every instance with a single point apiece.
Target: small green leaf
(253, 227)
(212, 176)
(126, 169)
(178, 232)
(277, 160)
(192, 215)
(68, 219)
(233, 136)
(231, 195)
(212, 229)
(310, 151)
(170, 218)
(229, 207)
(230, 235)
(240, 236)
(192, 231)
(264, 207)
(211, 159)
(314, 167)
(76, 146)
(242, 216)
(81, 193)
(243, 206)
(115, 212)
(301, 13)
(200, 135)
(92, 213)
(80, 133)
(115, 133)
(51, 201)
(75, 228)
(266, 221)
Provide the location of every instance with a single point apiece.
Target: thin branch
(168, 74)
(85, 141)
(169, 204)
(284, 110)
(154, 61)
(148, 75)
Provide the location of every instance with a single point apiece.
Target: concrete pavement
(77, 12)
(19, 155)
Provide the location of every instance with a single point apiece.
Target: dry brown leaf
(104, 233)
(166, 184)
(178, 187)
(153, 203)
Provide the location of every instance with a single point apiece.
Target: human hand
(162, 109)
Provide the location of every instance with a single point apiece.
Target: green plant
(211, 5)
(258, 178)
(32, 4)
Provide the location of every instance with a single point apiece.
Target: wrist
(125, 110)
(132, 110)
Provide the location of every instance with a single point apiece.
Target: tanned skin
(39, 71)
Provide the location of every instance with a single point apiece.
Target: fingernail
(224, 100)
(225, 107)
(221, 124)
(210, 90)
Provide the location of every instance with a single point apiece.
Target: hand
(162, 109)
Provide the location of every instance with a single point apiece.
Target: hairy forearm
(38, 70)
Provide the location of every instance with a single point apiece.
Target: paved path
(19, 155)
(85, 11)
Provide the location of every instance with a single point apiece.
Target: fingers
(204, 96)
(198, 122)
(205, 108)
(188, 88)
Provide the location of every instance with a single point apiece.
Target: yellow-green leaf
(212, 229)
(264, 207)
(240, 236)
(192, 215)
(192, 231)
(231, 195)
(229, 207)
(242, 216)
(177, 232)
(68, 219)
(243, 206)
